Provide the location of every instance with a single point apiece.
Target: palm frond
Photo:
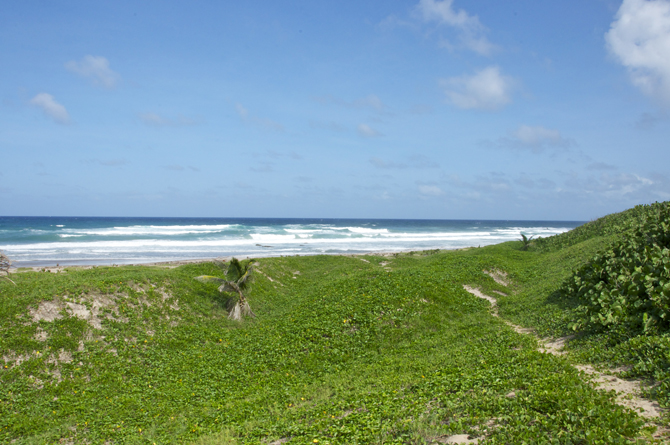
(526, 241)
(229, 286)
(234, 271)
(237, 274)
(244, 278)
(210, 279)
(221, 264)
(5, 264)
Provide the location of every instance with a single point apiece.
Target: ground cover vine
(343, 350)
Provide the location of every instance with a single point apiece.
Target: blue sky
(459, 109)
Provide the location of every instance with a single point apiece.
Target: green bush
(614, 224)
(627, 286)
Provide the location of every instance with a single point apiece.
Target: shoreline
(170, 264)
(56, 245)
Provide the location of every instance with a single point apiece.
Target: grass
(341, 351)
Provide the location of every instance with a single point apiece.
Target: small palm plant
(238, 275)
(526, 241)
(5, 263)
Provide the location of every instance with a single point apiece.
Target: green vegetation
(238, 276)
(342, 349)
(612, 289)
(607, 226)
(628, 285)
(5, 264)
(525, 242)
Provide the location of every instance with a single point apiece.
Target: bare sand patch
(41, 335)
(53, 310)
(47, 311)
(477, 293)
(12, 359)
(272, 280)
(494, 308)
(627, 391)
(386, 266)
(458, 438)
(554, 346)
(498, 276)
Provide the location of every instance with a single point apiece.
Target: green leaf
(210, 279)
(229, 286)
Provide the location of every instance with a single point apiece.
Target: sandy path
(628, 391)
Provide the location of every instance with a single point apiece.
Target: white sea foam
(366, 231)
(149, 230)
(273, 238)
(307, 231)
(217, 243)
(138, 243)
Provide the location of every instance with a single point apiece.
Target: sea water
(44, 241)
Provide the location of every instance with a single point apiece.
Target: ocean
(47, 241)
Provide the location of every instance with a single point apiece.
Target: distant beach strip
(46, 241)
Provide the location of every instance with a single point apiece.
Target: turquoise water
(43, 241)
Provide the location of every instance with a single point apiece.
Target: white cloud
(538, 138)
(51, 108)
(430, 190)
(487, 89)
(443, 12)
(154, 120)
(370, 101)
(367, 132)
(600, 166)
(535, 136)
(639, 38)
(617, 186)
(529, 183)
(471, 31)
(95, 68)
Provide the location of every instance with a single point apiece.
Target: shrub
(629, 284)
(614, 224)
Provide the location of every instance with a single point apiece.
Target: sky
(417, 109)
